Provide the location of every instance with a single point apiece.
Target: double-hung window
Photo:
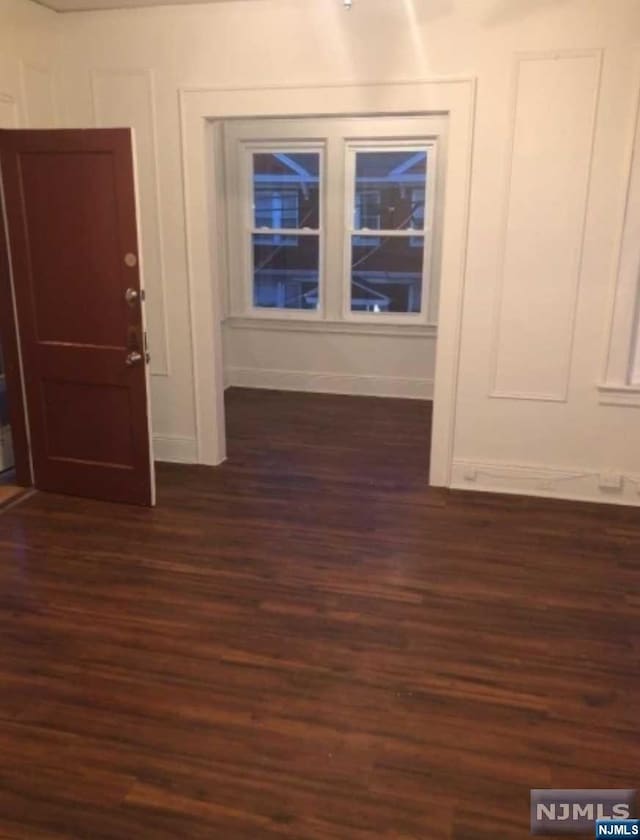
(284, 226)
(388, 227)
(334, 219)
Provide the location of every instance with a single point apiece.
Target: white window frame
(248, 150)
(331, 134)
(352, 148)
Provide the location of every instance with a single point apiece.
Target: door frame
(13, 359)
(200, 107)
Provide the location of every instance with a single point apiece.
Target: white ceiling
(94, 5)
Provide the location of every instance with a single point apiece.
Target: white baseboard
(575, 484)
(181, 450)
(330, 383)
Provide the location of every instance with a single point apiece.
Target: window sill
(344, 327)
(625, 395)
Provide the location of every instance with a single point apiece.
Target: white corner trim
(556, 482)
(175, 448)
(326, 382)
(628, 395)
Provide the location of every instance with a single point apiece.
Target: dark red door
(71, 221)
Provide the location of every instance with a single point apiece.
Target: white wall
(28, 52)
(307, 359)
(550, 165)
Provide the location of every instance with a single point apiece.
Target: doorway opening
(332, 239)
(10, 490)
(15, 462)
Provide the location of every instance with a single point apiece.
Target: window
(334, 219)
(285, 234)
(386, 239)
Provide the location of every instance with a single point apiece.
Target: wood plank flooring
(309, 643)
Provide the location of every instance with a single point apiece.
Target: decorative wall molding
(39, 104)
(330, 383)
(118, 113)
(578, 165)
(547, 482)
(174, 448)
(624, 307)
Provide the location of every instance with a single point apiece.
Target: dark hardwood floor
(307, 642)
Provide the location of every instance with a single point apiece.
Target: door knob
(133, 358)
(131, 296)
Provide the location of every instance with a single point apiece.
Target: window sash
(418, 237)
(279, 237)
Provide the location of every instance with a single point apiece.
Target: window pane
(285, 276)
(386, 273)
(286, 190)
(390, 190)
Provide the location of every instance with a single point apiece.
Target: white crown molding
(434, 80)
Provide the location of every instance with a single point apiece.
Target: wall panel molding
(552, 132)
(126, 98)
(624, 309)
(325, 382)
(38, 95)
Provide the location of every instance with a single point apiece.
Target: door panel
(71, 217)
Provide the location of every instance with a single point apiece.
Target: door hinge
(143, 294)
(147, 355)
